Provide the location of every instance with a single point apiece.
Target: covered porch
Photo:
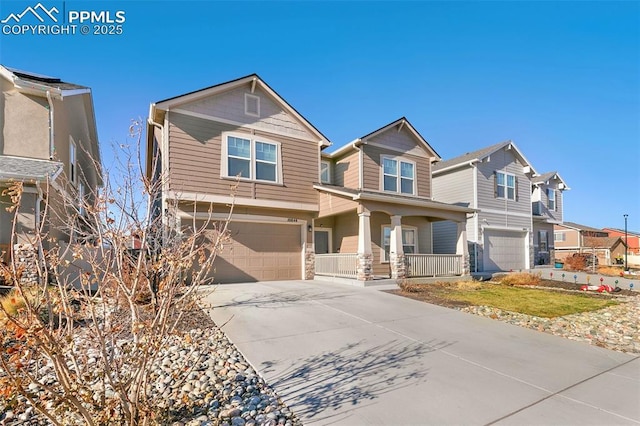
(368, 235)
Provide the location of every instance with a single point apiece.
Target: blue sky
(561, 79)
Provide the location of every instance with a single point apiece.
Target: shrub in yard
(519, 278)
(410, 287)
(580, 262)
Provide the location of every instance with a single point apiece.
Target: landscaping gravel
(200, 379)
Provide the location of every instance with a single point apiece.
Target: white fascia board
(238, 201)
(469, 163)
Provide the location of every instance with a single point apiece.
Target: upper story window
(559, 236)
(506, 186)
(251, 158)
(551, 196)
(252, 105)
(73, 161)
(325, 172)
(398, 175)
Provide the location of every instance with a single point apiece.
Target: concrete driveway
(345, 355)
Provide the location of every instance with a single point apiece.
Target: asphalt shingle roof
(52, 82)
(582, 227)
(470, 156)
(19, 168)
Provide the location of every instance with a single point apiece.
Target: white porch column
(365, 256)
(461, 246)
(396, 236)
(396, 251)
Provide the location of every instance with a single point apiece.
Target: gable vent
(252, 105)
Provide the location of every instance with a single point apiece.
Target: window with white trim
(543, 241)
(551, 196)
(250, 158)
(505, 186)
(559, 236)
(73, 161)
(398, 175)
(325, 172)
(409, 241)
(252, 105)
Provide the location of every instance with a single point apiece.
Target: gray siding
(230, 106)
(455, 187)
(195, 157)
(503, 161)
(444, 237)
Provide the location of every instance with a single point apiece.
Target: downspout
(160, 146)
(51, 129)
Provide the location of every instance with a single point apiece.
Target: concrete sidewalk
(345, 355)
(626, 283)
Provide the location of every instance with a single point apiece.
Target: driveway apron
(346, 355)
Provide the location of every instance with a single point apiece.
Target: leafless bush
(519, 278)
(79, 342)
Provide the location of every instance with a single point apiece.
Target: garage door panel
(504, 250)
(260, 252)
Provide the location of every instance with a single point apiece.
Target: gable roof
(253, 80)
(401, 123)
(28, 169)
(546, 177)
(479, 155)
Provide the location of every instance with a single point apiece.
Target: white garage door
(504, 250)
(260, 252)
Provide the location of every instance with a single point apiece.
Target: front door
(321, 237)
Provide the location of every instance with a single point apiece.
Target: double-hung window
(505, 186)
(409, 241)
(559, 236)
(252, 159)
(551, 196)
(398, 176)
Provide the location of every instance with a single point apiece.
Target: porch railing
(433, 265)
(337, 265)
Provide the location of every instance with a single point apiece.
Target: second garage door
(504, 250)
(260, 252)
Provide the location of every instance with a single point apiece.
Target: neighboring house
(48, 137)
(376, 208)
(633, 238)
(497, 182)
(361, 200)
(547, 207)
(570, 238)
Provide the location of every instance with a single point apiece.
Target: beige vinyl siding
(331, 204)
(372, 169)
(503, 161)
(401, 142)
(572, 237)
(230, 105)
(195, 158)
(346, 170)
(345, 233)
(378, 220)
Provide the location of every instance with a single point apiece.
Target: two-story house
(496, 181)
(547, 208)
(50, 144)
(573, 238)
(376, 205)
(360, 208)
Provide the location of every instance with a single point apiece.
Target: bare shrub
(519, 278)
(79, 342)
